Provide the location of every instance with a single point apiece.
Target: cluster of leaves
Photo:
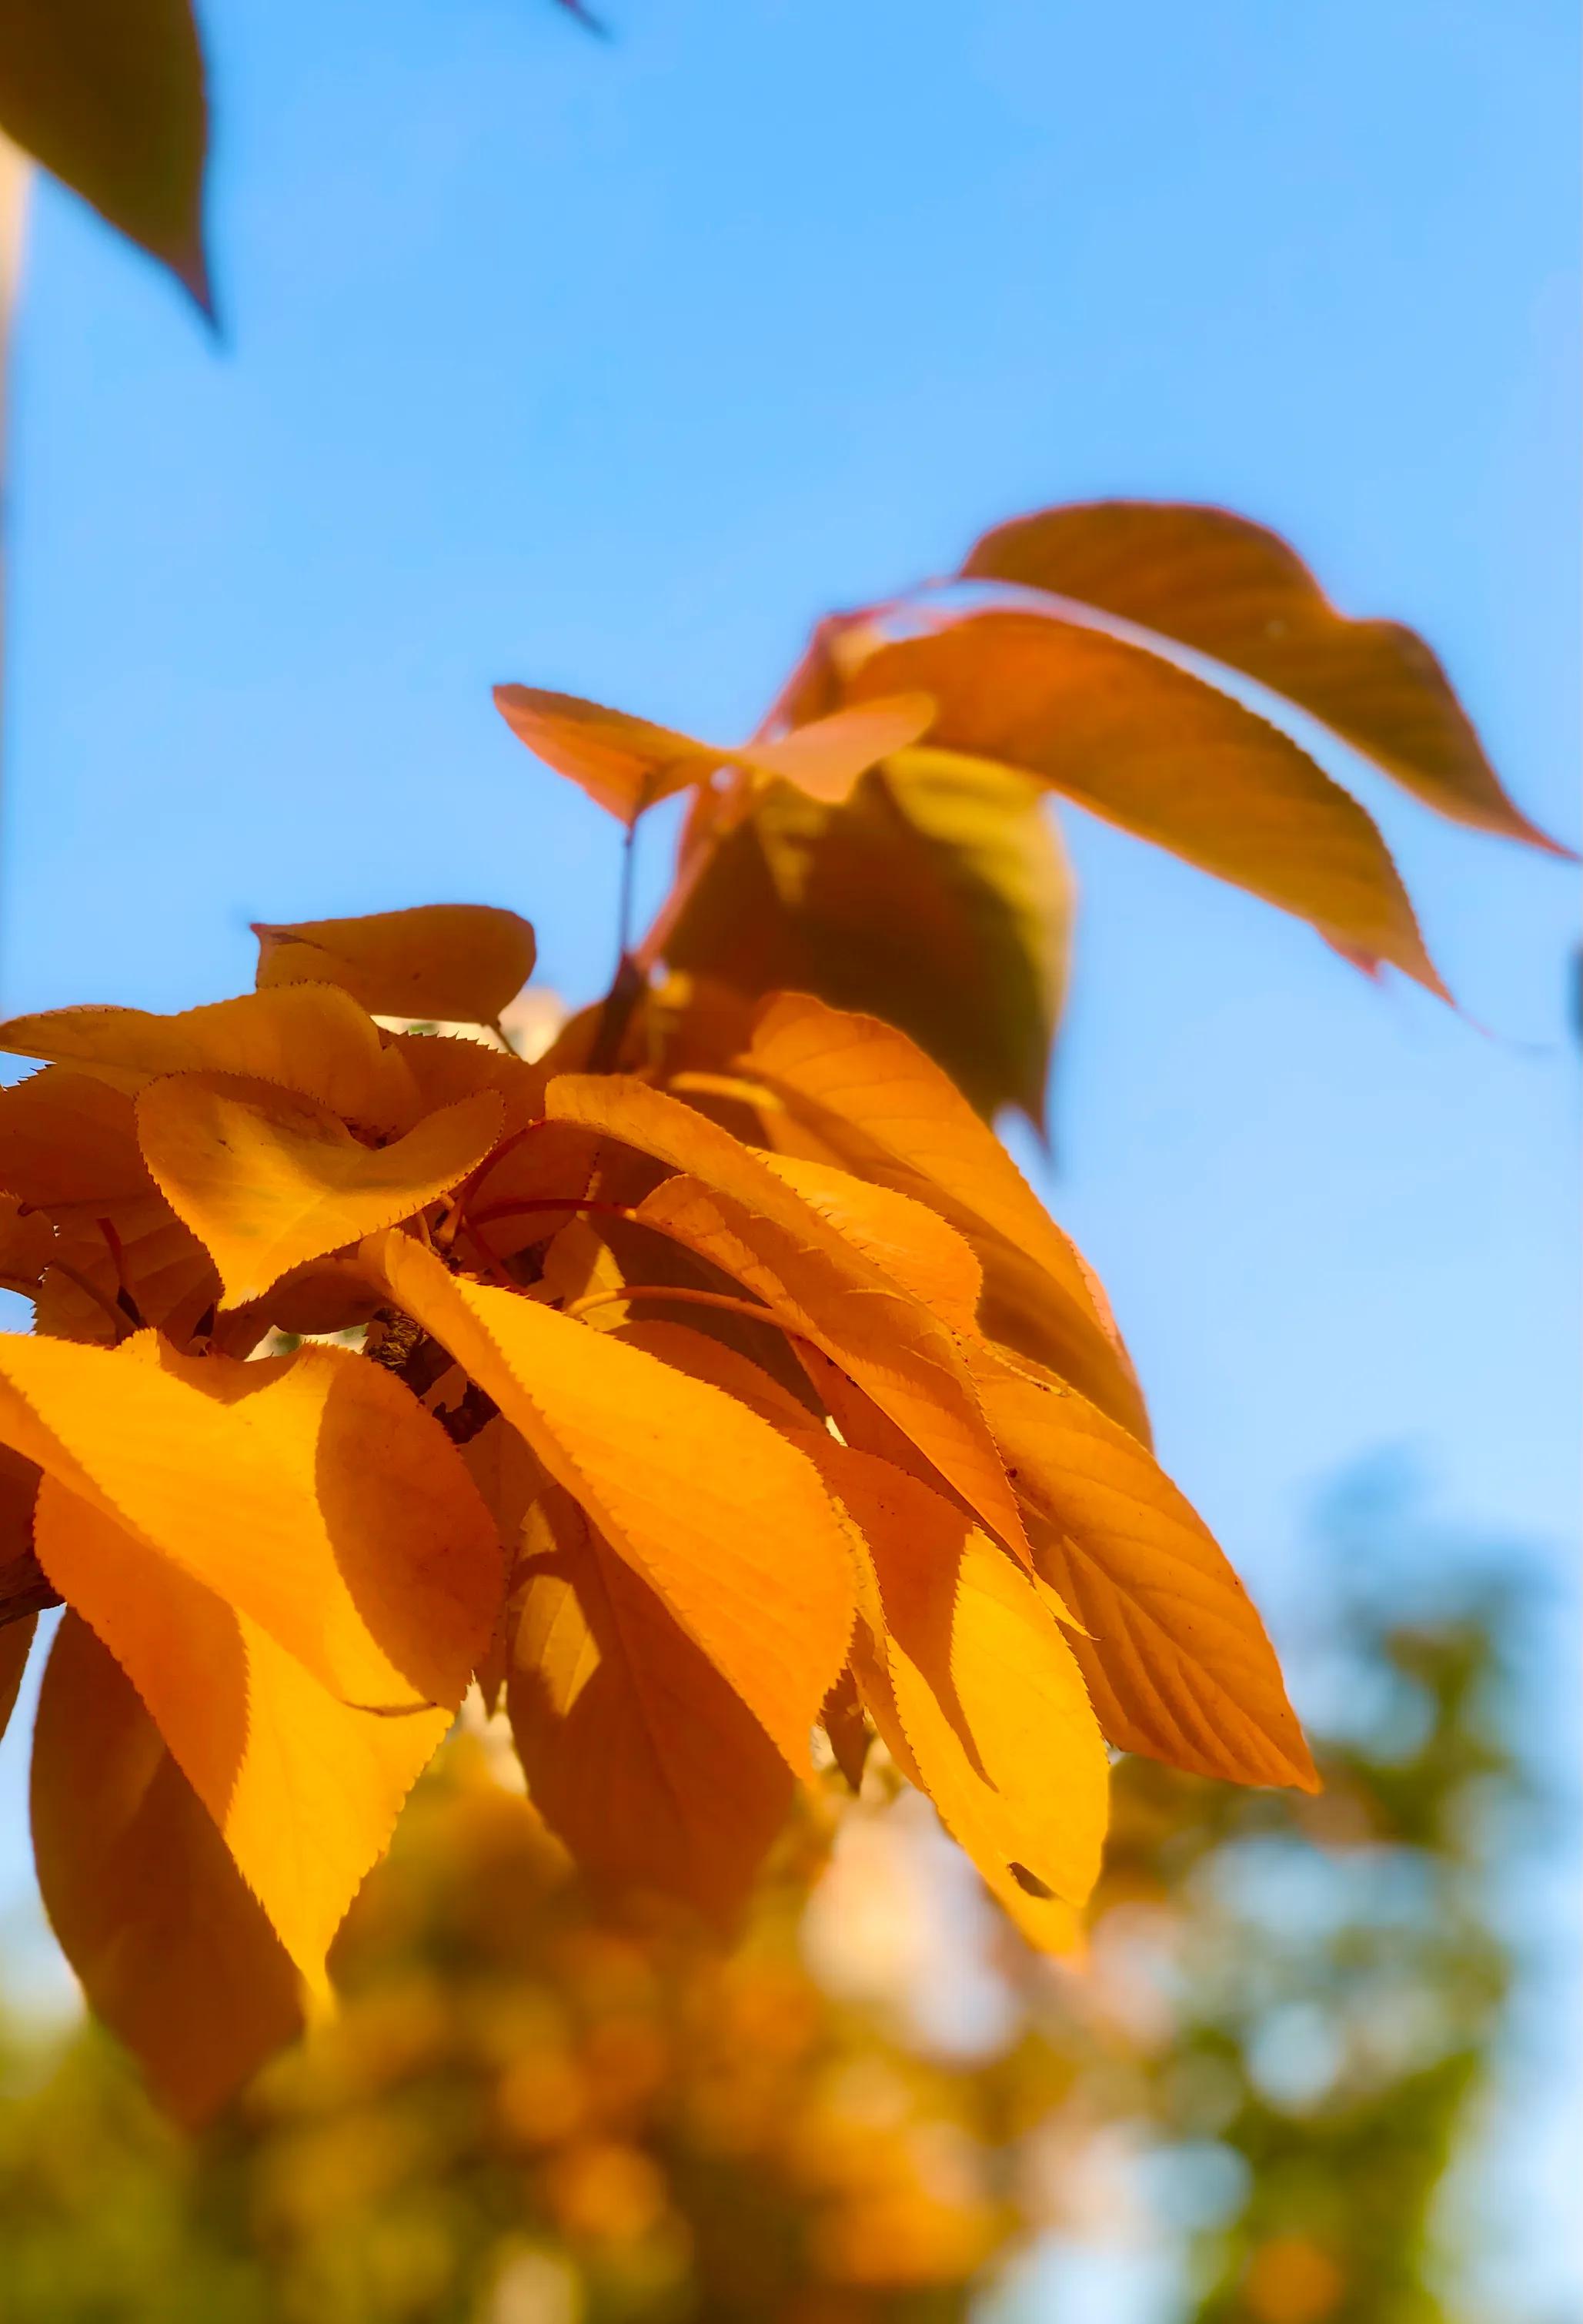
(722, 1379)
(523, 2110)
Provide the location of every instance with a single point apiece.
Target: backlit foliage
(712, 1389)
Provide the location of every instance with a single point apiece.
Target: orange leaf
(1139, 742)
(905, 1239)
(308, 1038)
(173, 1951)
(637, 1751)
(304, 1791)
(733, 1211)
(1234, 591)
(974, 1687)
(1177, 1661)
(67, 1138)
(869, 1097)
(267, 1181)
(456, 962)
(310, 1492)
(717, 1512)
(627, 763)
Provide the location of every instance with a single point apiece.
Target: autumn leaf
(304, 1789)
(173, 1951)
(68, 1137)
(974, 1687)
(352, 1535)
(308, 1038)
(1148, 747)
(1236, 591)
(458, 963)
(849, 1088)
(637, 1752)
(1176, 1658)
(711, 1508)
(729, 1205)
(625, 764)
(108, 94)
(938, 897)
(267, 1181)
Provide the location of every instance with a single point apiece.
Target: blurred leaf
(1141, 742)
(108, 94)
(627, 763)
(938, 899)
(172, 1949)
(1236, 591)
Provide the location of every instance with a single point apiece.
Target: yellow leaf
(871, 1099)
(311, 1493)
(1236, 591)
(1177, 1661)
(974, 1686)
(715, 1510)
(304, 1791)
(267, 1181)
(733, 1211)
(460, 963)
(307, 1037)
(905, 1239)
(627, 763)
(173, 1953)
(637, 1751)
(1148, 747)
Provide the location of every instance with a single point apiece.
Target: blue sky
(609, 365)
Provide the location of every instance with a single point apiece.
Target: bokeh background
(608, 364)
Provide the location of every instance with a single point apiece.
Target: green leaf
(937, 899)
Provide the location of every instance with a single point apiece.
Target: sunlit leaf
(937, 899)
(715, 1510)
(458, 963)
(268, 1181)
(627, 763)
(1177, 1661)
(733, 1209)
(308, 1038)
(637, 1751)
(109, 95)
(975, 1687)
(304, 1791)
(310, 1492)
(173, 1951)
(850, 1087)
(1148, 747)
(1236, 591)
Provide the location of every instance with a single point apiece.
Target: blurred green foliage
(526, 2116)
